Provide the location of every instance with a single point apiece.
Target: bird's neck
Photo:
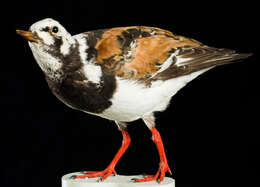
(57, 66)
(54, 63)
(77, 63)
(87, 55)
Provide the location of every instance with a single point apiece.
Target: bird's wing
(189, 59)
(148, 53)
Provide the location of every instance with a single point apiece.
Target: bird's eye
(55, 29)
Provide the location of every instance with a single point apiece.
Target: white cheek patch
(48, 39)
(47, 63)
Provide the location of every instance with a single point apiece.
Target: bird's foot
(159, 176)
(111, 167)
(92, 174)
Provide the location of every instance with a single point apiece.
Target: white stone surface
(113, 181)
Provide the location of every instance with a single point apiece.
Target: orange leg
(164, 167)
(111, 167)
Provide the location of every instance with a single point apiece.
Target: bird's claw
(92, 174)
(159, 176)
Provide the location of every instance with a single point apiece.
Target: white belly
(133, 100)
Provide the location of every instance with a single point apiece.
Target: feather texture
(147, 54)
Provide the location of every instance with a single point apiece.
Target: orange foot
(91, 174)
(111, 168)
(159, 176)
(164, 167)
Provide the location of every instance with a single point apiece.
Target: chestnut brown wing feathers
(139, 53)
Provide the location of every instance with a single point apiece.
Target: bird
(121, 74)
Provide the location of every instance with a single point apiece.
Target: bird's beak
(27, 35)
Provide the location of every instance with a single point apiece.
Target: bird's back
(150, 65)
(147, 53)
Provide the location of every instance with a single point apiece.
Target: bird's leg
(111, 167)
(163, 167)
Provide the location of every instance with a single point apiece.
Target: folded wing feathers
(204, 57)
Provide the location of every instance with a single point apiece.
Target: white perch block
(113, 181)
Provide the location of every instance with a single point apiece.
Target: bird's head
(50, 43)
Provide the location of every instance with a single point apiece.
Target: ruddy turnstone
(121, 74)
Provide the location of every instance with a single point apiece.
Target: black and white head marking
(54, 42)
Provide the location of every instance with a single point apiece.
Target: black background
(209, 130)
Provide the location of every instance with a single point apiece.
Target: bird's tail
(191, 59)
(199, 58)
